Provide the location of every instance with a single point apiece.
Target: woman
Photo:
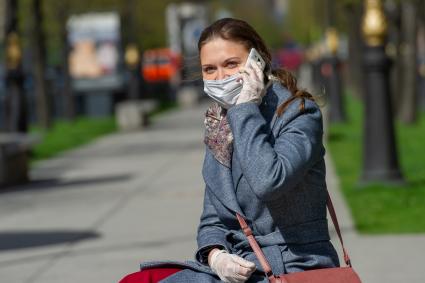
(264, 160)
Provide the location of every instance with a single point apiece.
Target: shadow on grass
(336, 136)
(384, 186)
(417, 184)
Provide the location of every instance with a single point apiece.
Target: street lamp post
(132, 60)
(380, 162)
(331, 72)
(16, 119)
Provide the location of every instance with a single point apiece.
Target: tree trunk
(393, 51)
(408, 99)
(128, 22)
(355, 48)
(42, 101)
(421, 56)
(67, 94)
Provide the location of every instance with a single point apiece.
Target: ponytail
(290, 82)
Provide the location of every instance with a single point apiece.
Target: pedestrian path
(92, 214)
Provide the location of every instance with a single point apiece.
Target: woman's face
(221, 58)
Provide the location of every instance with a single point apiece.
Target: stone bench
(132, 115)
(188, 96)
(14, 151)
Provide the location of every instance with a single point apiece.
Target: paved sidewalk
(91, 215)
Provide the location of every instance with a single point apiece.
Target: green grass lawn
(380, 208)
(65, 135)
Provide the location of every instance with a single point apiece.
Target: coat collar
(275, 96)
(219, 181)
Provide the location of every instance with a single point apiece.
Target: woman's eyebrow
(232, 58)
(224, 62)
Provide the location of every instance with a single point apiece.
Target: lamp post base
(386, 177)
(380, 161)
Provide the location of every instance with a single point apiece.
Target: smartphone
(255, 58)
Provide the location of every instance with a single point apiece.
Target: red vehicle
(160, 65)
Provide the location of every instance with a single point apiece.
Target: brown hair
(241, 32)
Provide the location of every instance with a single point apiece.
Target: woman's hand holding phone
(252, 78)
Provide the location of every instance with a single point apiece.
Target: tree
(63, 14)
(408, 109)
(355, 47)
(39, 66)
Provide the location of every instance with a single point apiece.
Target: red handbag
(324, 275)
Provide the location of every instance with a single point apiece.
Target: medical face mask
(226, 91)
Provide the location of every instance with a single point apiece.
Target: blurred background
(56, 54)
(101, 123)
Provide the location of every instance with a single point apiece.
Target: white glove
(231, 268)
(253, 84)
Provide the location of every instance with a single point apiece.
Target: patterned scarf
(218, 135)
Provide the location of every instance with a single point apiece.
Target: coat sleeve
(269, 167)
(211, 232)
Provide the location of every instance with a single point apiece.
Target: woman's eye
(232, 65)
(208, 70)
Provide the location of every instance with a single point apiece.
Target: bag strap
(257, 250)
(260, 255)
(332, 213)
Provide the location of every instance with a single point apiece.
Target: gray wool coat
(276, 181)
